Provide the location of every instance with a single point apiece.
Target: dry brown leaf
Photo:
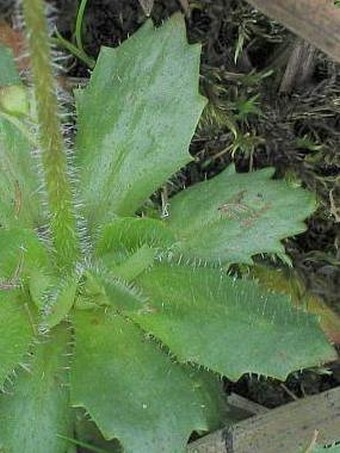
(287, 282)
(316, 21)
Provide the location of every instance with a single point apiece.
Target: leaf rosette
(138, 334)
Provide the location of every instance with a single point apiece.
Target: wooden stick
(244, 404)
(316, 21)
(284, 429)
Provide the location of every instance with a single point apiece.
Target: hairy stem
(54, 159)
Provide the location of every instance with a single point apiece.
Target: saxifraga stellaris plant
(128, 338)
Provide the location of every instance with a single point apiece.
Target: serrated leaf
(89, 435)
(145, 114)
(234, 216)
(34, 415)
(16, 332)
(229, 326)
(132, 390)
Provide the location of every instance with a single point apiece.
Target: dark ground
(286, 112)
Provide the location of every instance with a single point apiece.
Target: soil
(297, 131)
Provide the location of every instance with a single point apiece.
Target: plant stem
(79, 25)
(61, 41)
(54, 159)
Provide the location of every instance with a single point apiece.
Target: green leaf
(323, 449)
(88, 435)
(135, 264)
(232, 327)
(20, 199)
(59, 302)
(9, 74)
(234, 216)
(14, 101)
(101, 288)
(145, 114)
(40, 283)
(35, 413)
(16, 332)
(19, 185)
(22, 252)
(130, 245)
(131, 233)
(133, 390)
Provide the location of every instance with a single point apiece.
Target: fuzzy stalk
(54, 159)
